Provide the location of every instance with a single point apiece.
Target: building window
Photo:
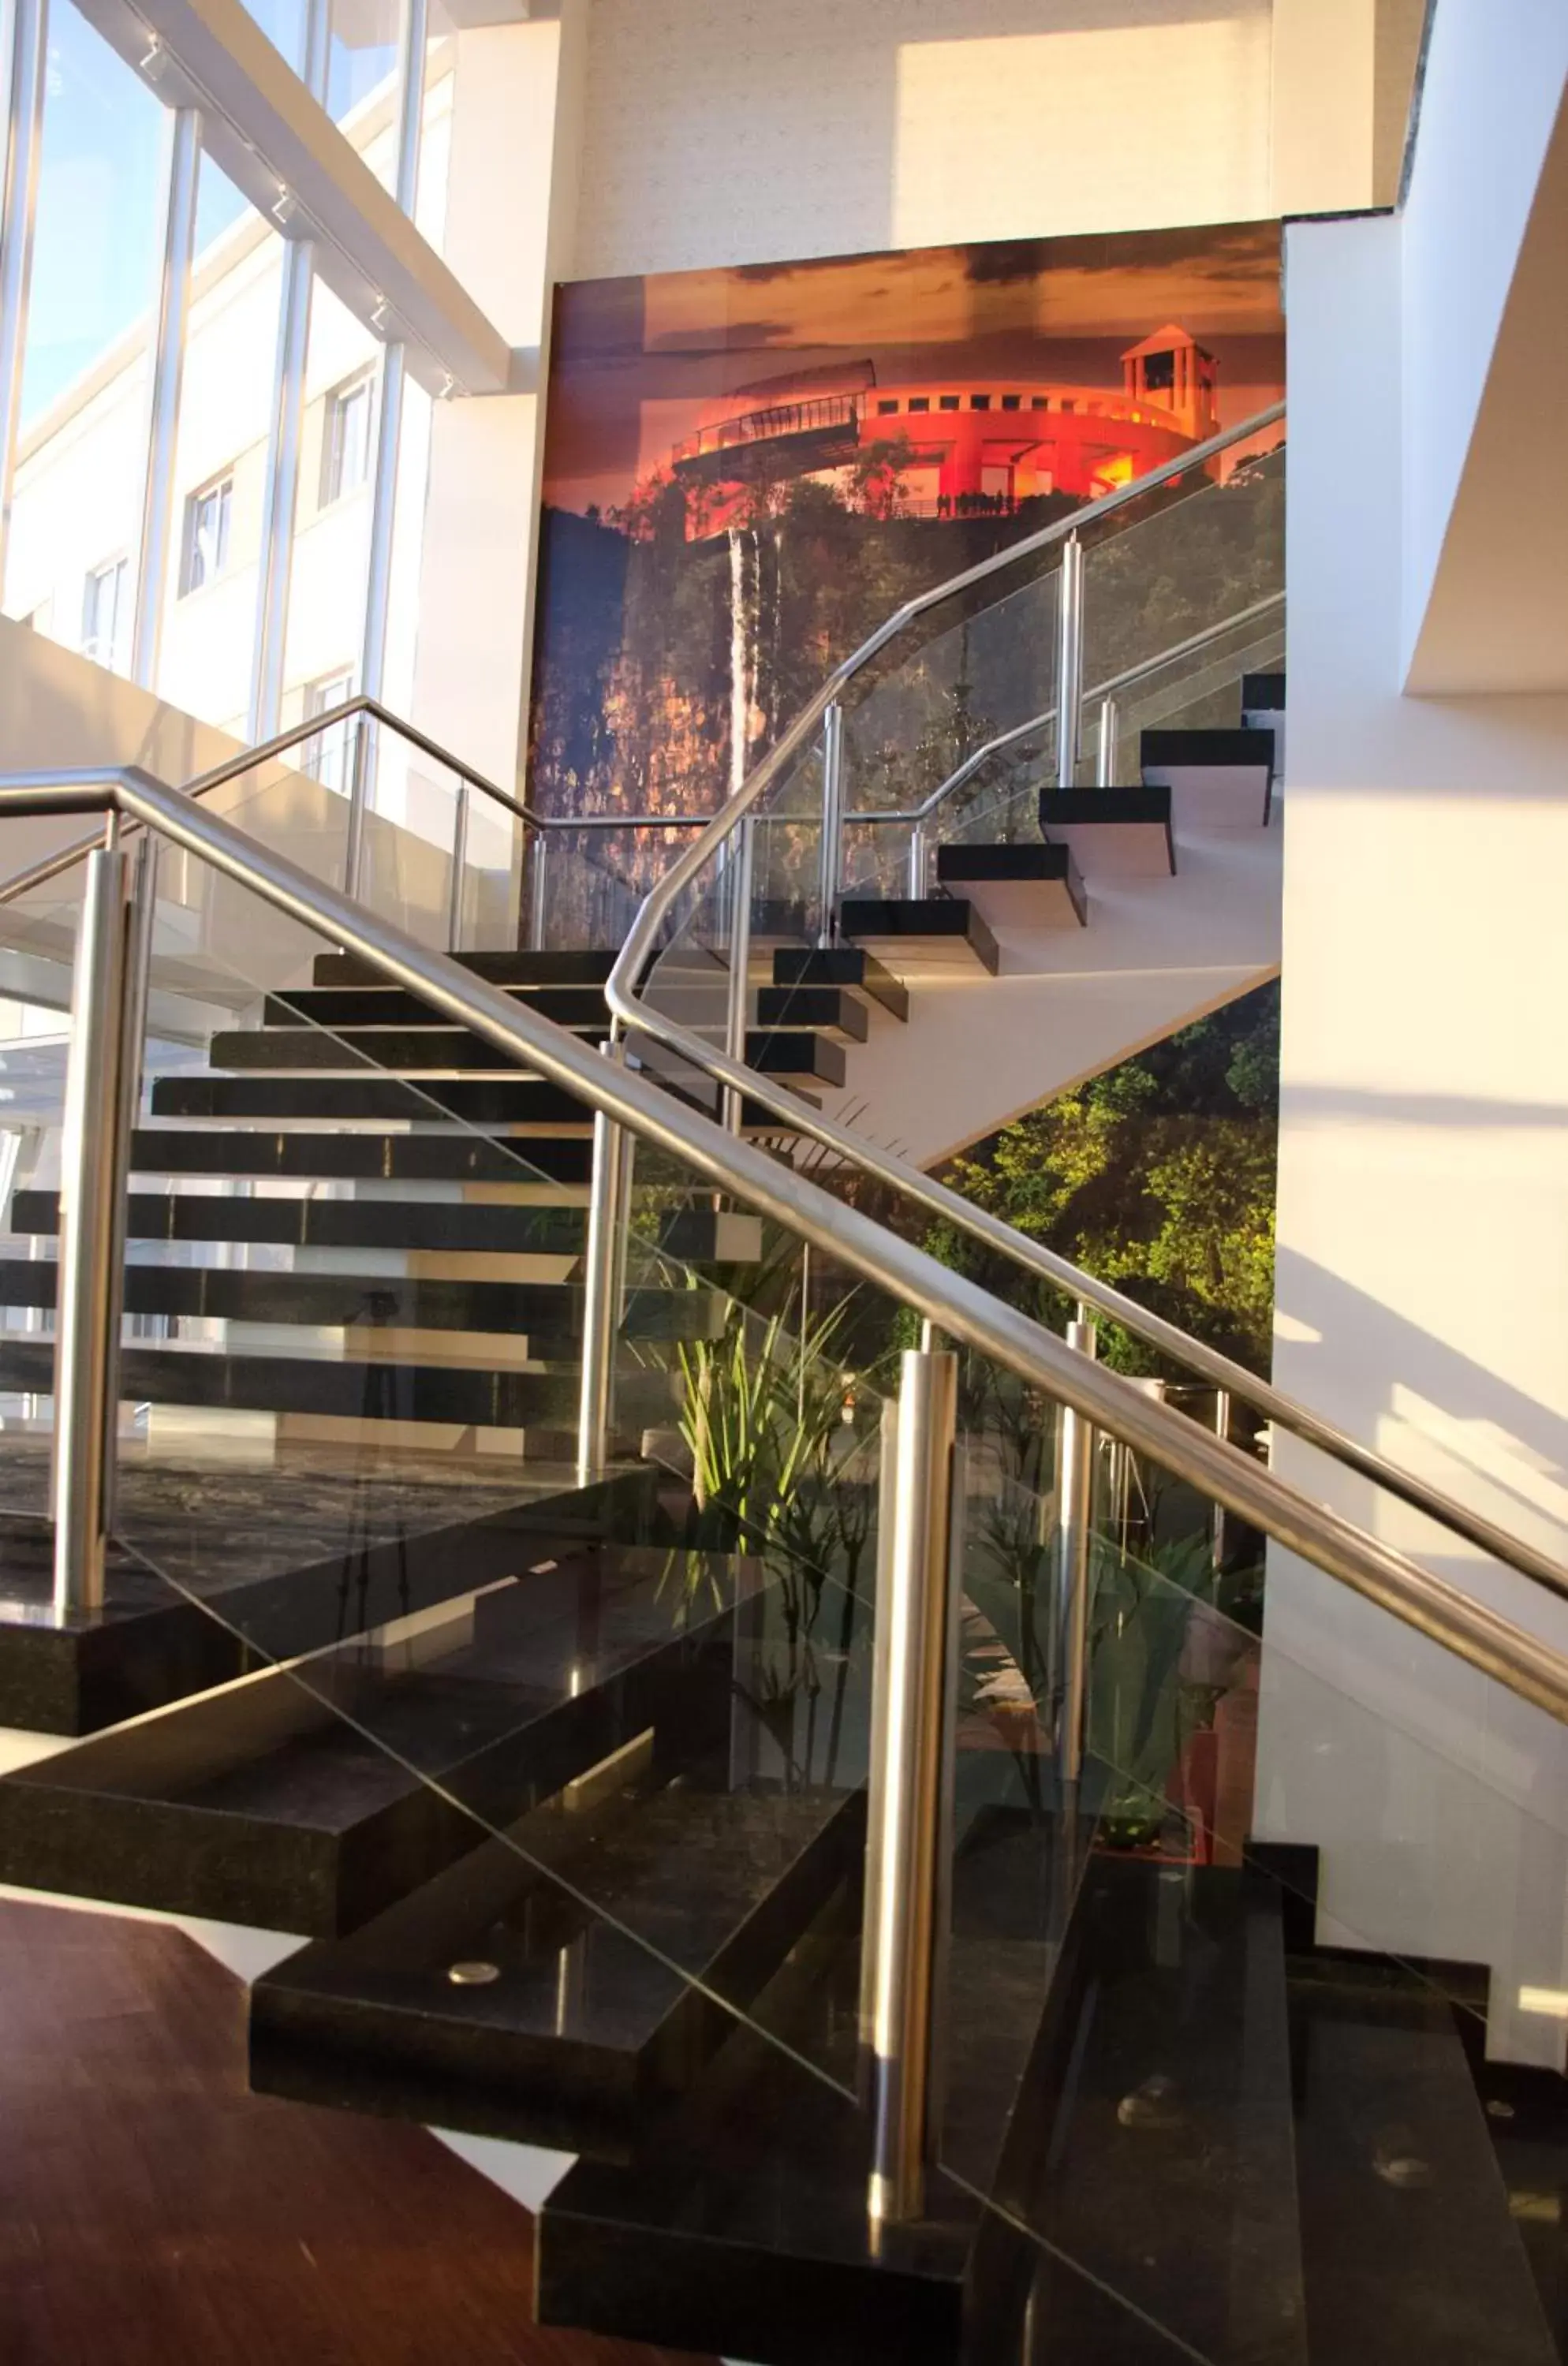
(979, 402)
(105, 611)
(1160, 373)
(1011, 402)
(206, 550)
(326, 756)
(948, 401)
(1068, 403)
(920, 403)
(1040, 402)
(886, 410)
(346, 439)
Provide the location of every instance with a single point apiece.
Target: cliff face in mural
(747, 470)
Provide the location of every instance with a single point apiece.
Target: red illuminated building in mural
(960, 447)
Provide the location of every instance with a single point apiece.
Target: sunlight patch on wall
(1128, 125)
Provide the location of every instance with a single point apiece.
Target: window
(205, 551)
(1040, 402)
(948, 401)
(326, 758)
(346, 439)
(1011, 402)
(105, 611)
(979, 402)
(886, 410)
(920, 403)
(1160, 373)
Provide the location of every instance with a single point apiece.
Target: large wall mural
(747, 470)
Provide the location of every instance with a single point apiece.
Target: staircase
(550, 1794)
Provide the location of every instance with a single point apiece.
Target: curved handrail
(315, 726)
(629, 1011)
(965, 772)
(1524, 1662)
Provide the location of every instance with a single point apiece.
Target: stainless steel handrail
(966, 770)
(966, 1313)
(796, 1115)
(315, 726)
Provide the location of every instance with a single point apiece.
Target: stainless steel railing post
(459, 870)
(905, 1883)
(537, 859)
(1069, 663)
(1106, 753)
(359, 784)
(1074, 1512)
(918, 862)
(738, 1011)
(603, 1264)
(92, 1190)
(831, 874)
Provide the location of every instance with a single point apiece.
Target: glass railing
(566, 1785)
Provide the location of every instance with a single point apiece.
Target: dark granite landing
(592, 2018)
(313, 1797)
(1411, 2253)
(447, 1225)
(1170, 2181)
(545, 1315)
(375, 1100)
(372, 1390)
(452, 1156)
(227, 1566)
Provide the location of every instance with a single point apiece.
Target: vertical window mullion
(181, 171)
(25, 25)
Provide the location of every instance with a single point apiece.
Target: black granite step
(347, 1388)
(373, 1099)
(741, 2225)
(389, 1006)
(1169, 2178)
(1015, 888)
(1113, 833)
(453, 1157)
(1219, 778)
(417, 1052)
(849, 967)
(921, 936)
(540, 1311)
(409, 1051)
(313, 1797)
(508, 967)
(592, 2019)
(246, 1565)
(827, 1010)
(1409, 2245)
(449, 1225)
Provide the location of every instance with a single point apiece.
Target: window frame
(105, 650)
(219, 487)
(336, 405)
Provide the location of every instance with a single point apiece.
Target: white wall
(1423, 1242)
(722, 131)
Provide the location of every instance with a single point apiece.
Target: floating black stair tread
(291, 1558)
(508, 967)
(1263, 694)
(407, 1051)
(348, 1389)
(787, 1053)
(378, 1301)
(1409, 2246)
(849, 967)
(371, 1100)
(389, 1006)
(453, 1157)
(305, 1801)
(1016, 887)
(1113, 833)
(450, 1225)
(1221, 778)
(692, 1882)
(1170, 2179)
(828, 1010)
(922, 935)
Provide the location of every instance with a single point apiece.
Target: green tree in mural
(1158, 1177)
